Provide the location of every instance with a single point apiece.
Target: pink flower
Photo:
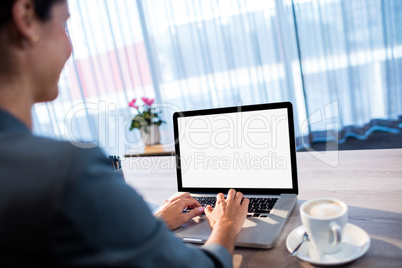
(132, 104)
(150, 101)
(147, 101)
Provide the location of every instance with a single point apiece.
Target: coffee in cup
(323, 220)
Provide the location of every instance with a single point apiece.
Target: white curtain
(338, 61)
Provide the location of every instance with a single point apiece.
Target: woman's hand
(227, 218)
(171, 212)
(233, 209)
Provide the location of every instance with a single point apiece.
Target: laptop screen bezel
(235, 109)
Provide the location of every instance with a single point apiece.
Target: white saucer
(355, 242)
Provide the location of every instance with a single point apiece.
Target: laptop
(248, 148)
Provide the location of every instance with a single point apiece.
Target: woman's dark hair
(42, 9)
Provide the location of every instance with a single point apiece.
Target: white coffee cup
(324, 219)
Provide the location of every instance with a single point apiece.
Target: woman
(61, 205)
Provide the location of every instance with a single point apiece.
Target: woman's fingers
(220, 197)
(231, 194)
(192, 213)
(180, 196)
(239, 197)
(245, 204)
(190, 202)
(208, 212)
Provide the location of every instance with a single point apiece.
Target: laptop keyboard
(258, 207)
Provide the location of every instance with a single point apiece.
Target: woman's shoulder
(48, 147)
(51, 153)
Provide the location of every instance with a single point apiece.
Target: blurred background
(338, 61)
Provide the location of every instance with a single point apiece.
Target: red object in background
(101, 73)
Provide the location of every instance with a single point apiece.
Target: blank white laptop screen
(236, 150)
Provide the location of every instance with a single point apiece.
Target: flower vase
(152, 136)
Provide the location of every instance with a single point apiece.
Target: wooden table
(152, 150)
(369, 181)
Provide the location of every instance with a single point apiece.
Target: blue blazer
(62, 205)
